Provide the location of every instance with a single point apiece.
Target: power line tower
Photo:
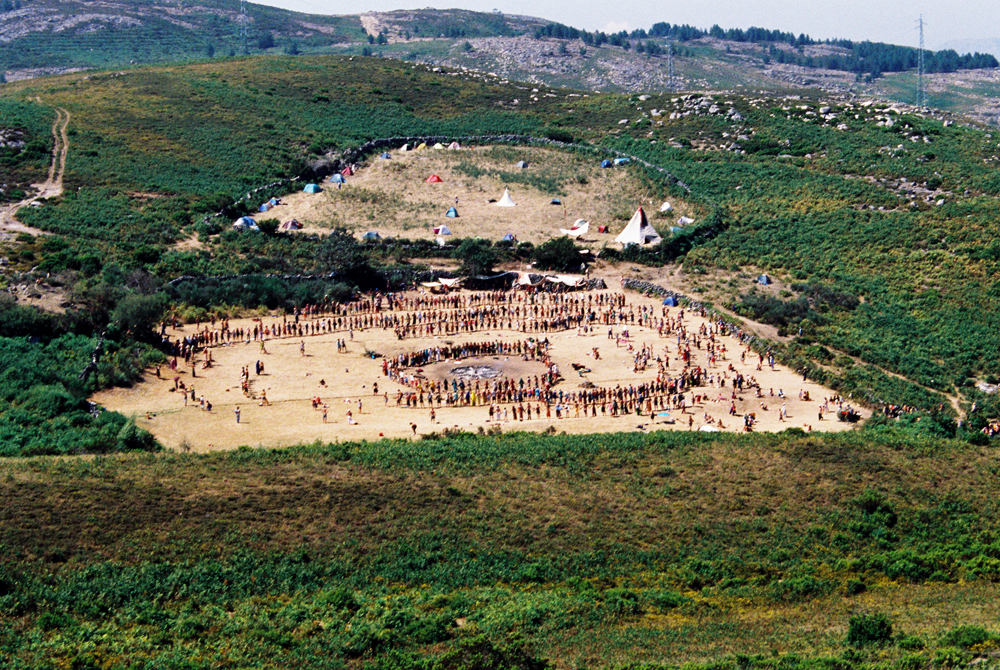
(244, 26)
(921, 93)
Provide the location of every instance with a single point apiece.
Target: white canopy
(580, 228)
(638, 231)
(506, 200)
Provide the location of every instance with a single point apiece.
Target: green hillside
(874, 549)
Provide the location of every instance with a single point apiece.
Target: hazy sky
(893, 21)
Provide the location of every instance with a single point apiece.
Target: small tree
(477, 256)
(557, 254)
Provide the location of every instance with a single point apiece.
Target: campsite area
(299, 369)
(391, 196)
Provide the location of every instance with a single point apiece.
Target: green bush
(864, 630)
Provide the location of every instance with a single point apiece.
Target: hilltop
(49, 36)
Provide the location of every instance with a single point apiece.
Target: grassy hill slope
(602, 551)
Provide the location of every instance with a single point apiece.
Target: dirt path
(51, 187)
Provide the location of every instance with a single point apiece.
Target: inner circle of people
(682, 373)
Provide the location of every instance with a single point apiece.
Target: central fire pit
(476, 372)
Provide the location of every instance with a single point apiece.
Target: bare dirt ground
(52, 186)
(291, 380)
(391, 197)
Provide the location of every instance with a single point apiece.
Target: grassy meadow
(602, 551)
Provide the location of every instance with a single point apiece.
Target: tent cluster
(423, 145)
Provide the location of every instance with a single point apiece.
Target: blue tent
(763, 279)
(266, 206)
(312, 188)
(452, 213)
(338, 179)
(385, 154)
(371, 236)
(273, 201)
(671, 301)
(509, 237)
(605, 163)
(556, 201)
(620, 161)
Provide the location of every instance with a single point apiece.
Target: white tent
(451, 282)
(580, 228)
(666, 207)
(506, 200)
(438, 146)
(638, 231)
(442, 230)
(454, 145)
(685, 220)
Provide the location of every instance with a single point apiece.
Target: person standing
(237, 412)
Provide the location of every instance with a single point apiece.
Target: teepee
(638, 231)
(506, 200)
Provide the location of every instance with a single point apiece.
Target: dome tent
(433, 179)
(452, 213)
(312, 188)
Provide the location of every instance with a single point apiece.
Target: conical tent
(434, 179)
(442, 230)
(638, 231)
(506, 200)
(666, 207)
(452, 213)
(312, 188)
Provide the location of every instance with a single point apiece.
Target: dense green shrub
(864, 630)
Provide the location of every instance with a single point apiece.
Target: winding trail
(51, 187)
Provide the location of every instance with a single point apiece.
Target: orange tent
(434, 179)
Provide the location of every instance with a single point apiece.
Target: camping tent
(605, 163)
(621, 161)
(454, 145)
(273, 201)
(442, 230)
(404, 148)
(522, 164)
(338, 178)
(434, 179)
(312, 188)
(602, 229)
(421, 146)
(579, 229)
(347, 171)
(638, 231)
(371, 235)
(764, 279)
(506, 200)
(666, 207)
(509, 237)
(290, 225)
(452, 213)
(385, 154)
(438, 145)
(685, 220)
(266, 206)
(245, 223)
(556, 201)
(671, 301)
